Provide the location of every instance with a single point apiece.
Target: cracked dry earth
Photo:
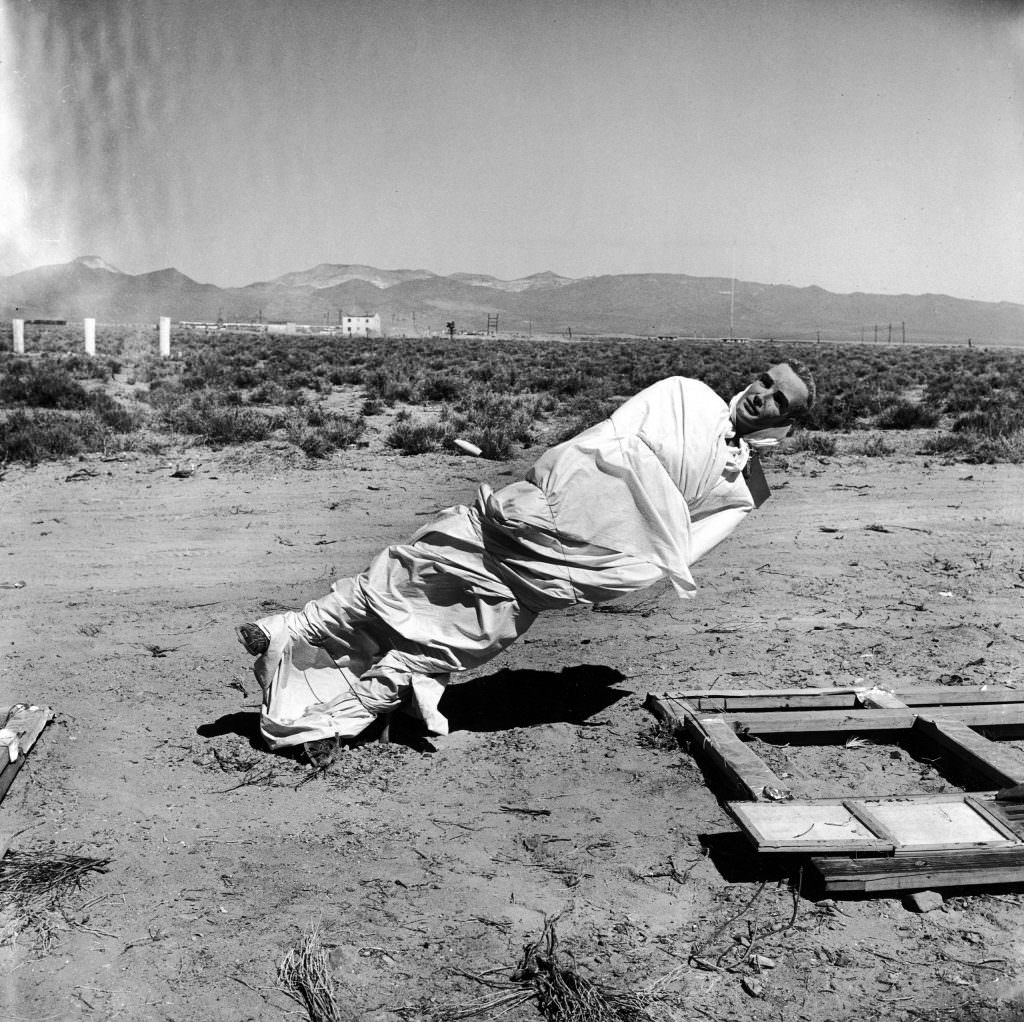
(426, 869)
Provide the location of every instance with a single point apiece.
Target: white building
(361, 326)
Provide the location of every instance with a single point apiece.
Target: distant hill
(419, 301)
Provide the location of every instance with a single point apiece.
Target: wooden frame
(963, 836)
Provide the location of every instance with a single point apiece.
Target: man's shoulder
(687, 388)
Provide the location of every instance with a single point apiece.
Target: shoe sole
(248, 646)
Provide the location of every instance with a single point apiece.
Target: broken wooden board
(27, 722)
(898, 825)
(869, 875)
(906, 842)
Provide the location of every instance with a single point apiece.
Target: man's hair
(807, 379)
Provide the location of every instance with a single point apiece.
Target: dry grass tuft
(305, 974)
(33, 888)
(548, 976)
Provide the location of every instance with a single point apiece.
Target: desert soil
(555, 794)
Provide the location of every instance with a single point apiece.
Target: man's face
(773, 399)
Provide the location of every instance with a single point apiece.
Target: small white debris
(469, 448)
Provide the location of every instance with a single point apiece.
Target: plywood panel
(805, 827)
(916, 825)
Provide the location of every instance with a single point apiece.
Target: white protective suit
(635, 499)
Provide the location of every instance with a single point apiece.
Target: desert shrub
(48, 387)
(34, 436)
(319, 432)
(387, 386)
(371, 406)
(42, 386)
(906, 415)
(439, 388)
(814, 443)
(976, 449)
(206, 415)
(416, 437)
(270, 392)
(993, 420)
(874, 447)
(495, 422)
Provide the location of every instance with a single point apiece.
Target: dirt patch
(555, 793)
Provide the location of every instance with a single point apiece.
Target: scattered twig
(251, 778)
(525, 810)
(160, 651)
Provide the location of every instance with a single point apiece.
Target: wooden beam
(27, 722)
(781, 699)
(775, 699)
(879, 699)
(1003, 765)
(920, 872)
(838, 722)
(747, 772)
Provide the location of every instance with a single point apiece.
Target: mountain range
(414, 302)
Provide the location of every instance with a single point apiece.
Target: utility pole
(890, 333)
(876, 333)
(904, 326)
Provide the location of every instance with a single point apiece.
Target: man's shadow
(495, 702)
(526, 698)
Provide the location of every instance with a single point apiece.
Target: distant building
(347, 326)
(361, 326)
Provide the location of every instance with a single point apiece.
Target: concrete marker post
(90, 336)
(18, 328)
(165, 336)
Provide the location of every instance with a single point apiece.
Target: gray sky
(860, 145)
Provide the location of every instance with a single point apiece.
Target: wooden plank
(878, 698)
(774, 722)
(1005, 766)
(945, 695)
(746, 771)
(27, 722)
(780, 699)
(921, 872)
(837, 722)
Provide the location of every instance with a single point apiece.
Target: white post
(18, 326)
(90, 336)
(165, 336)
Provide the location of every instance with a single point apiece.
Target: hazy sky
(861, 145)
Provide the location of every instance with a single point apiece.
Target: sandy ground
(554, 793)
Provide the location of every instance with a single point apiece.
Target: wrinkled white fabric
(637, 498)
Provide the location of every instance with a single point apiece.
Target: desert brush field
(561, 854)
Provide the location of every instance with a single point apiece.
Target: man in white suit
(638, 498)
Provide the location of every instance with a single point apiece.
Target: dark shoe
(255, 640)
